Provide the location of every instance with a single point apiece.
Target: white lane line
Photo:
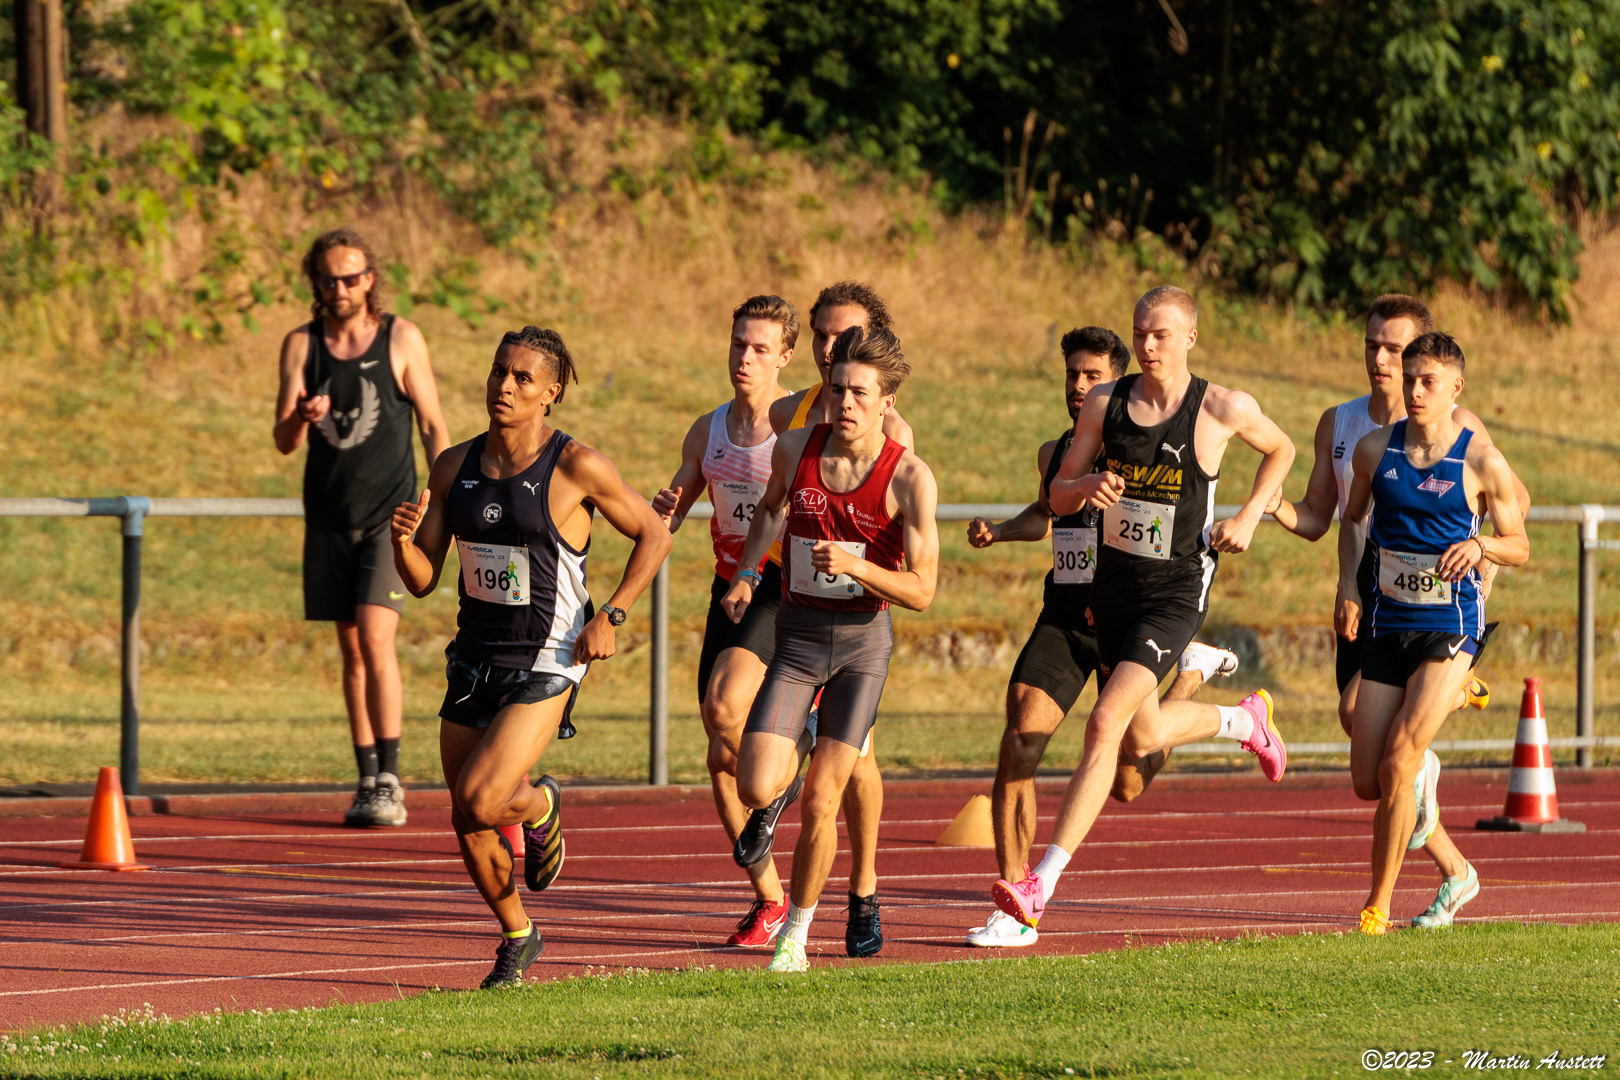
(315, 974)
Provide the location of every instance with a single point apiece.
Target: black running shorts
(1151, 632)
(1058, 658)
(1347, 657)
(1392, 658)
(343, 570)
(477, 692)
(847, 652)
(755, 633)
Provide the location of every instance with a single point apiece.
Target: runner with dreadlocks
(518, 501)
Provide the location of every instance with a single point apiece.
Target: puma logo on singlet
(1176, 450)
(533, 488)
(1154, 645)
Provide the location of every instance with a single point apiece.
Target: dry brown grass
(641, 289)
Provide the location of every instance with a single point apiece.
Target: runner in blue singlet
(1427, 481)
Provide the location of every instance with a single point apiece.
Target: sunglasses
(329, 282)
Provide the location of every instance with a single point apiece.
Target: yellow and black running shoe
(543, 846)
(512, 959)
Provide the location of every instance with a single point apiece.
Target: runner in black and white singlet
(727, 452)
(351, 381)
(1156, 441)
(519, 501)
(858, 509)
(1427, 481)
(1061, 653)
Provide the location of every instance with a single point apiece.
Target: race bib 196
(1074, 556)
(811, 582)
(1411, 579)
(734, 502)
(495, 572)
(1141, 528)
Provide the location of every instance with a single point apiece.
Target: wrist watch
(615, 615)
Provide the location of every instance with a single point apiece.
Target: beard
(347, 307)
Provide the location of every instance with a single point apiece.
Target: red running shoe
(1024, 900)
(759, 927)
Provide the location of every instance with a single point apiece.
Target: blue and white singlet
(1417, 514)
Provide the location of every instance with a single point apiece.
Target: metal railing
(133, 510)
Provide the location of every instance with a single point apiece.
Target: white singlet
(1351, 422)
(736, 476)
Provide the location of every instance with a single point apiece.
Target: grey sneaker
(1453, 894)
(361, 813)
(388, 804)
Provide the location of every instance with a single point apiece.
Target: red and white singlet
(858, 521)
(736, 476)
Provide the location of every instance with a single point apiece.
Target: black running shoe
(512, 959)
(754, 842)
(863, 934)
(543, 847)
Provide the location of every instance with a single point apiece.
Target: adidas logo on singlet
(1392, 475)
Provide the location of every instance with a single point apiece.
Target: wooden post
(42, 85)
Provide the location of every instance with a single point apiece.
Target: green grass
(1279, 1007)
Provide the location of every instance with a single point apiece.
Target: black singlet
(523, 595)
(1068, 598)
(360, 465)
(1155, 541)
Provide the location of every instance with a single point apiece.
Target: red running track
(290, 910)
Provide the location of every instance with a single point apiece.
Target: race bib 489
(1411, 578)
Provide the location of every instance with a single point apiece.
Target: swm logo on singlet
(1159, 483)
(347, 429)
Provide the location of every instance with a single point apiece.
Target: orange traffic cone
(971, 826)
(1532, 800)
(107, 843)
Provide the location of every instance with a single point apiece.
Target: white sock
(1200, 658)
(1052, 864)
(797, 926)
(1236, 723)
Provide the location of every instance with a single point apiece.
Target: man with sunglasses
(356, 375)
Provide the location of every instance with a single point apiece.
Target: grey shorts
(343, 570)
(843, 654)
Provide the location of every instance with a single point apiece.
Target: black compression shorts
(1058, 658)
(847, 652)
(1151, 632)
(475, 693)
(343, 570)
(756, 632)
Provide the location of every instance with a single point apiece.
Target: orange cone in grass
(107, 843)
(1532, 799)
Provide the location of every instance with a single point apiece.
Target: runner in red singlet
(858, 508)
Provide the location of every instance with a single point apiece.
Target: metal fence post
(658, 741)
(129, 709)
(1587, 650)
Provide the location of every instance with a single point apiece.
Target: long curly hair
(314, 270)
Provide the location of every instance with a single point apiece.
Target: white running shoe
(1424, 789)
(388, 802)
(1207, 660)
(1002, 931)
(789, 958)
(1453, 894)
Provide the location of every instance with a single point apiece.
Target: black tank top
(1154, 543)
(1066, 601)
(360, 465)
(523, 596)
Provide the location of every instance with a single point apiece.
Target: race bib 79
(809, 581)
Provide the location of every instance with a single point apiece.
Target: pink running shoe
(1265, 743)
(1024, 901)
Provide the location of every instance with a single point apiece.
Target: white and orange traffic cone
(1532, 799)
(107, 843)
